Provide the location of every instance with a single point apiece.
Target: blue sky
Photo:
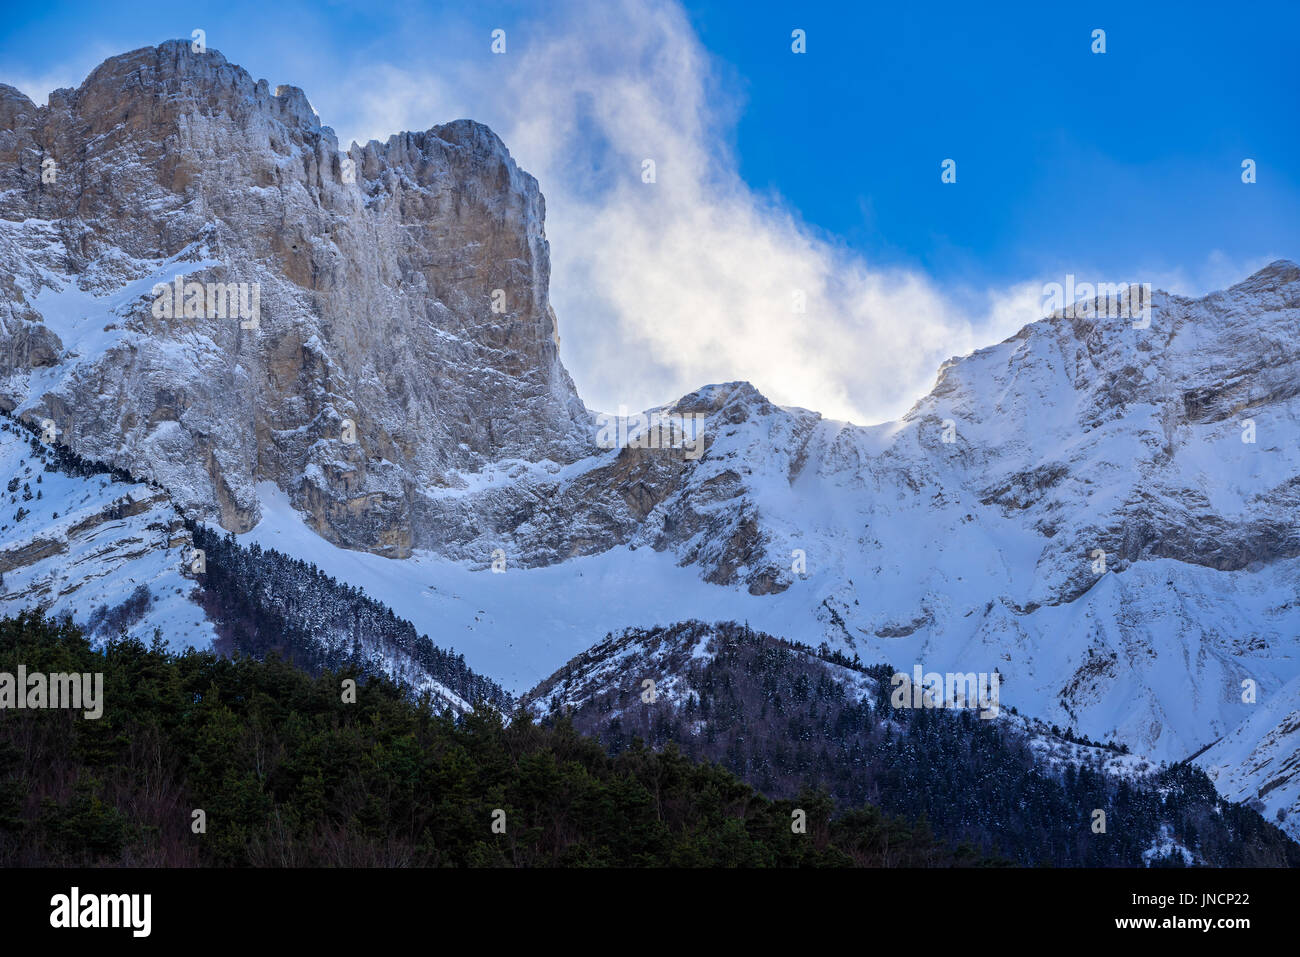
(1128, 159)
(818, 172)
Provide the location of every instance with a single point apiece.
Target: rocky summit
(402, 286)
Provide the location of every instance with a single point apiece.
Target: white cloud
(661, 288)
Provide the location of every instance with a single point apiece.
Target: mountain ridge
(1107, 512)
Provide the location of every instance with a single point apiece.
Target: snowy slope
(88, 545)
(1260, 760)
(782, 716)
(116, 556)
(518, 625)
(960, 556)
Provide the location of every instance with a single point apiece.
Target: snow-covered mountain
(1106, 512)
(779, 715)
(403, 329)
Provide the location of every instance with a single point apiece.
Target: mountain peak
(401, 288)
(1276, 275)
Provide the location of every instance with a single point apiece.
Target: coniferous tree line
(262, 600)
(60, 458)
(287, 773)
(772, 712)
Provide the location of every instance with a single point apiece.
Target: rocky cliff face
(411, 301)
